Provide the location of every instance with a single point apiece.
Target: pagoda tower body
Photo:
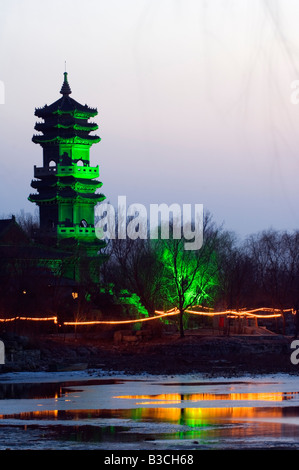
(66, 184)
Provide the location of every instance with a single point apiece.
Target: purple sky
(193, 99)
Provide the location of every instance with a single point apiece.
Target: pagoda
(66, 184)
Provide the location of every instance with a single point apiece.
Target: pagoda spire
(65, 89)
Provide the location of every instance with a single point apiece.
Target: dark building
(11, 233)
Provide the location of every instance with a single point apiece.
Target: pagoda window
(83, 223)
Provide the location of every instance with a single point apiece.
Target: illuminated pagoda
(66, 184)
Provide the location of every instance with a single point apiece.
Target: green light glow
(190, 277)
(77, 114)
(62, 140)
(77, 127)
(129, 298)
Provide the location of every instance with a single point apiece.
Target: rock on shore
(213, 355)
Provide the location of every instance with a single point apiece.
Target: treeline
(262, 271)
(226, 273)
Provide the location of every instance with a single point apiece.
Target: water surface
(87, 411)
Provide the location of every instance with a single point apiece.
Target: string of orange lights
(276, 313)
(54, 319)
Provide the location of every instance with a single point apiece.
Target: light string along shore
(270, 313)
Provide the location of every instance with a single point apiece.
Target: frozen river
(86, 410)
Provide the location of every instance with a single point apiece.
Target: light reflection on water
(98, 413)
(200, 397)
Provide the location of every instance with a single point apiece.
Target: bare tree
(28, 222)
(190, 276)
(237, 282)
(134, 266)
(276, 258)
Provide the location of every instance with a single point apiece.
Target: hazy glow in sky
(193, 99)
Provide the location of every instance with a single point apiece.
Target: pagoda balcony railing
(44, 171)
(67, 232)
(76, 231)
(68, 170)
(78, 171)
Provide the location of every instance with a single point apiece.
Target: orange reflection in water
(197, 415)
(200, 397)
(240, 422)
(191, 415)
(201, 414)
(155, 413)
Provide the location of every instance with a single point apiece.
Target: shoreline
(211, 355)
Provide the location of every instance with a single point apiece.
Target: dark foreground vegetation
(197, 353)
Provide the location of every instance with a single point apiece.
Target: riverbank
(210, 354)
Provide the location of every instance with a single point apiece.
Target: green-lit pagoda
(66, 184)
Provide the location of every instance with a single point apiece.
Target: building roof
(66, 104)
(65, 193)
(65, 120)
(52, 182)
(65, 89)
(5, 224)
(11, 233)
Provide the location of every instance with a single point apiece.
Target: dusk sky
(194, 101)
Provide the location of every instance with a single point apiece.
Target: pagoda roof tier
(49, 178)
(66, 119)
(80, 185)
(72, 196)
(66, 105)
(73, 138)
(72, 179)
(65, 182)
(66, 193)
(67, 125)
(52, 193)
(41, 184)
